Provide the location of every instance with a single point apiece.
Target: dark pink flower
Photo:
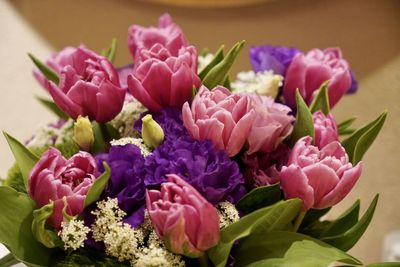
(325, 129)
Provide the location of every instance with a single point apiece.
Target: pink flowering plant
(170, 161)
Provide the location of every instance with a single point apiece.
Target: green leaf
(259, 197)
(348, 239)
(218, 57)
(98, 186)
(50, 105)
(304, 124)
(14, 179)
(384, 264)
(358, 143)
(346, 123)
(8, 260)
(281, 249)
(23, 156)
(110, 52)
(112, 132)
(44, 69)
(321, 100)
(217, 75)
(99, 144)
(272, 218)
(15, 228)
(45, 236)
(312, 216)
(227, 83)
(345, 221)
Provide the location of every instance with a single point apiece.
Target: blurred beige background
(367, 31)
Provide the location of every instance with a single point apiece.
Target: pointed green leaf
(272, 218)
(358, 143)
(99, 144)
(52, 107)
(15, 228)
(321, 100)
(45, 236)
(348, 239)
(44, 69)
(259, 197)
(217, 75)
(304, 124)
(282, 249)
(110, 53)
(227, 83)
(23, 156)
(98, 186)
(345, 221)
(346, 123)
(312, 216)
(218, 57)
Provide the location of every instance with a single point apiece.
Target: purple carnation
(210, 171)
(275, 58)
(170, 120)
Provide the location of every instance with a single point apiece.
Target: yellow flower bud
(83, 133)
(152, 133)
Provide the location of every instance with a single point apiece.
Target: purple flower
(210, 171)
(268, 57)
(354, 84)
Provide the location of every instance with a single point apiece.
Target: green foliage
(273, 218)
(321, 100)
(217, 75)
(384, 264)
(99, 144)
(45, 236)
(312, 216)
(44, 69)
(344, 126)
(358, 143)
(218, 57)
(14, 179)
(259, 197)
(280, 249)
(50, 105)
(98, 186)
(111, 51)
(15, 232)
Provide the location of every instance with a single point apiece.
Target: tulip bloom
(54, 178)
(89, 86)
(308, 71)
(161, 80)
(187, 223)
(320, 177)
(168, 34)
(325, 129)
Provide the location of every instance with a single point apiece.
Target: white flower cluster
(144, 150)
(263, 83)
(126, 119)
(203, 61)
(48, 134)
(73, 234)
(228, 214)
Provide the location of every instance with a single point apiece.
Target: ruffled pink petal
(63, 102)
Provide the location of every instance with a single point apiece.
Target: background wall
(367, 31)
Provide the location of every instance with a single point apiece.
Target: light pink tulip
(320, 177)
(233, 121)
(167, 34)
(88, 87)
(325, 129)
(308, 71)
(183, 218)
(54, 178)
(161, 80)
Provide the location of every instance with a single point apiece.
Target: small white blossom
(157, 256)
(51, 134)
(203, 61)
(125, 120)
(228, 214)
(144, 150)
(263, 83)
(73, 234)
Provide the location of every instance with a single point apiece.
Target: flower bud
(83, 133)
(152, 133)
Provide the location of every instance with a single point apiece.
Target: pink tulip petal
(137, 90)
(63, 102)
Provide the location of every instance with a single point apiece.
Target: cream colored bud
(83, 133)
(152, 133)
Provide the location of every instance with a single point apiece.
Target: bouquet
(170, 161)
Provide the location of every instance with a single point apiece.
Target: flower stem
(298, 221)
(203, 260)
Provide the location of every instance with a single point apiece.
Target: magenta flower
(89, 86)
(325, 129)
(320, 177)
(308, 71)
(54, 178)
(162, 80)
(168, 34)
(183, 218)
(233, 121)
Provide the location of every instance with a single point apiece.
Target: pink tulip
(161, 80)
(233, 121)
(183, 218)
(54, 178)
(308, 71)
(325, 129)
(89, 86)
(167, 34)
(320, 177)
